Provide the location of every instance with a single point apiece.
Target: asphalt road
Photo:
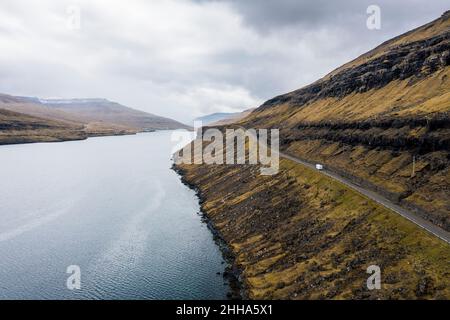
(424, 224)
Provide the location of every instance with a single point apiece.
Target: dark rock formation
(415, 59)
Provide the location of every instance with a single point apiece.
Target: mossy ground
(301, 235)
(426, 187)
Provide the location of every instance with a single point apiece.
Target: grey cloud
(184, 58)
(270, 15)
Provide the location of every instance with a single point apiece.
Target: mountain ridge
(301, 235)
(383, 121)
(73, 119)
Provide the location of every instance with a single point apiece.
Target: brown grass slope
(21, 128)
(299, 234)
(382, 119)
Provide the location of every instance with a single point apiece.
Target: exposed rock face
(417, 59)
(394, 134)
(382, 119)
(380, 154)
(299, 235)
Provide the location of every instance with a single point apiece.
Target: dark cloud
(320, 21)
(270, 15)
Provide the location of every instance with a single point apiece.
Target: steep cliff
(381, 120)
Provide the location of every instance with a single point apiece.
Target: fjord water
(111, 206)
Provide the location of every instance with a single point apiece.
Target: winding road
(414, 218)
(424, 224)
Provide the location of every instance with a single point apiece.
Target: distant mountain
(235, 117)
(214, 117)
(61, 118)
(105, 111)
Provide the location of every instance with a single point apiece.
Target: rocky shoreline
(232, 273)
(299, 235)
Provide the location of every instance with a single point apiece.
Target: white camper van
(319, 166)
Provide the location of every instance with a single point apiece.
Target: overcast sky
(185, 58)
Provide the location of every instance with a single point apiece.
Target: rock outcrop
(381, 120)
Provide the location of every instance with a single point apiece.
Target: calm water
(111, 206)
